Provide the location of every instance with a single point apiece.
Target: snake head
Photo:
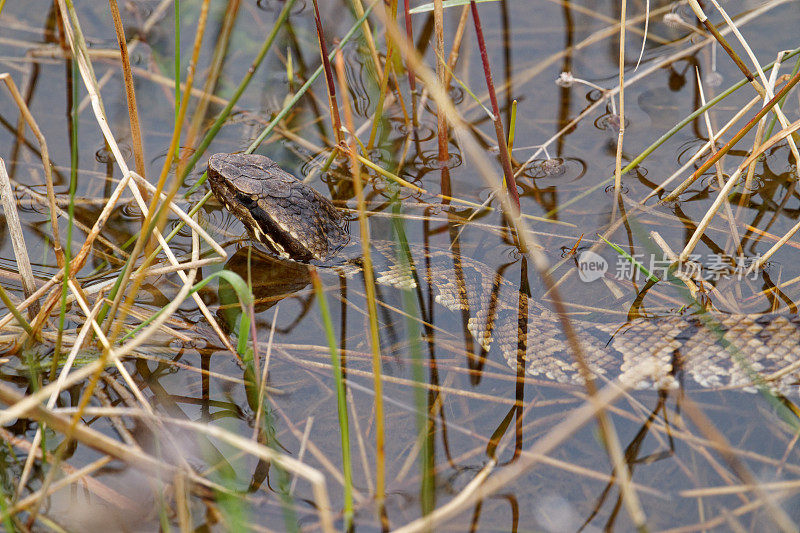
(280, 212)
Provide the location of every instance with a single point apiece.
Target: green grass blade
(427, 490)
(341, 399)
(14, 311)
(242, 291)
(650, 276)
(73, 184)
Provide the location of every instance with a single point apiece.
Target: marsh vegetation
(605, 164)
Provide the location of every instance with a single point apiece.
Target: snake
(294, 222)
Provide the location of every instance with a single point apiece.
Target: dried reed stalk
(17, 238)
(48, 175)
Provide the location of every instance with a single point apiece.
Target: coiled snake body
(294, 222)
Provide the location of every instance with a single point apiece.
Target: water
(477, 408)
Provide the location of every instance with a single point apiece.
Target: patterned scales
(714, 351)
(294, 221)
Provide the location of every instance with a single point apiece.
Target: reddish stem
(337, 124)
(412, 82)
(505, 160)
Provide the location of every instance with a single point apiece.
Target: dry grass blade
(313, 476)
(701, 16)
(718, 167)
(768, 90)
(23, 407)
(17, 237)
(48, 176)
(77, 476)
(369, 284)
(446, 435)
(722, 197)
(59, 387)
(155, 216)
(703, 149)
(130, 91)
(79, 48)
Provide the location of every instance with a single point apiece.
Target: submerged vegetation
(632, 166)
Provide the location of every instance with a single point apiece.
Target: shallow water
(477, 408)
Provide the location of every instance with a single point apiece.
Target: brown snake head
(280, 212)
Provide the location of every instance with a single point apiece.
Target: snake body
(713, 350)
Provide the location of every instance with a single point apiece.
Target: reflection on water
(271, 280)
